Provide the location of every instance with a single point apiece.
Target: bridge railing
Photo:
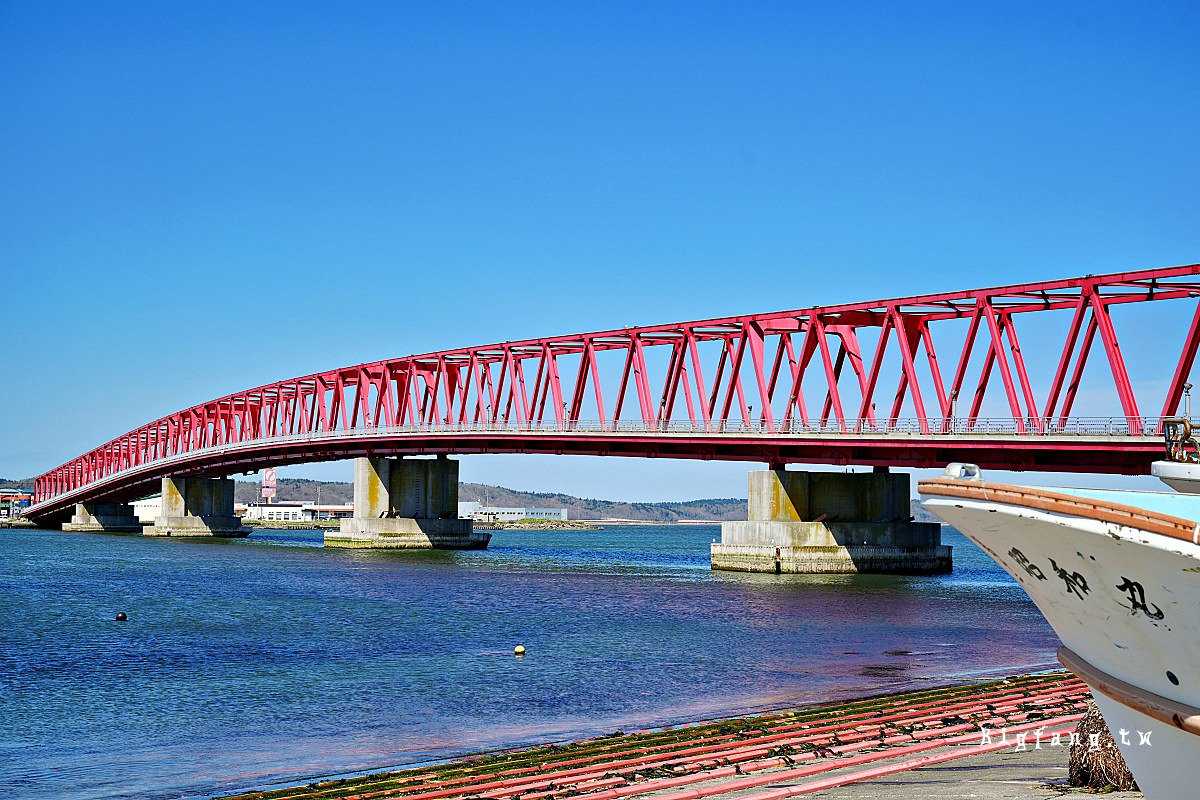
(911, 426)
(908, 426)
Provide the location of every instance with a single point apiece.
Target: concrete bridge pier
(830, 522)
(100, 517)
(409, 503)
(197, 507)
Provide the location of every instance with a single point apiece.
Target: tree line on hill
(303, 490)
(340, 493)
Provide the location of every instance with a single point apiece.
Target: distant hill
(724, 508)
(299, 490)
(340, 493)
(335, 492)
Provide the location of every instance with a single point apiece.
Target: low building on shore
(295, 511)
(14, 501)
(291, 511)
(146, 510)
(481, 513)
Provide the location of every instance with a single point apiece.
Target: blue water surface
(246, 663)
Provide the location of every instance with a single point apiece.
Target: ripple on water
(268, 659)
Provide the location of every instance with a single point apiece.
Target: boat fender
(960, 471)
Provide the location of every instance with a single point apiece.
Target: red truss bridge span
(861, 383)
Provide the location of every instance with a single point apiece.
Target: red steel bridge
(860, 383)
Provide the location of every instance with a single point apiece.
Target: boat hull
(1121, 587)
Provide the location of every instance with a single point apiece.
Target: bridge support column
(98, 517)
(830, 522)
(409, 503)
(197, 507)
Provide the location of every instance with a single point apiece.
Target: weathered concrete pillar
(93, 517)
(197, 507)
(822, 522)
(407, 503)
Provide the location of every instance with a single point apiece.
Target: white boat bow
(1117, 575)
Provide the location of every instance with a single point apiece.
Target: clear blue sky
(198, 198)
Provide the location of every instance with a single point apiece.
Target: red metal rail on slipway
(789, 386)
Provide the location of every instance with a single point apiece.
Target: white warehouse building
(290, 511)
(481, 513)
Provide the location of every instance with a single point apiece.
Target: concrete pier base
(407, 503)
(197, 507)
(101, 517)
(830, 522)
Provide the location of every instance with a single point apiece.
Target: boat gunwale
(1043, 500)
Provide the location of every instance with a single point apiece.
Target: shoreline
(821, 736)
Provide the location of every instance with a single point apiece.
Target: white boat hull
(1121, 588)
(1167, 769)
(1180, 477)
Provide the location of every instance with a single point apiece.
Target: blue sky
(199, 198)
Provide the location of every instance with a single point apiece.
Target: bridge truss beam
(854, 369)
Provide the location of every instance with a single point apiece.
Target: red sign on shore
(268, 482)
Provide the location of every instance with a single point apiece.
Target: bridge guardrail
(1076, 426)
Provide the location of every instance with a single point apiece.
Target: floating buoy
(519, 650)
(121, 616)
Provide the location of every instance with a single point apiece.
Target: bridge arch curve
(857, 383)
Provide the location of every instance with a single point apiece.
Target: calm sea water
(245, 663)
